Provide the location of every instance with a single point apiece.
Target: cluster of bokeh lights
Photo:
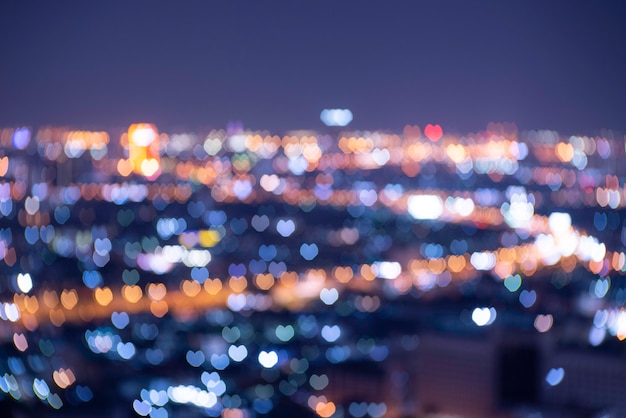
(136, 238)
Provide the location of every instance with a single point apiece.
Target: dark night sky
(275, 65)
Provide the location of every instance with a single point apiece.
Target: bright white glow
(11, 312)
(598, 252)
(585, 247)
(616, 323)
(459, 205)
(149, 167)
(381, 156)
(590, 249)
(547, 248)
(483, 260)
(143, 136)
(567, 243)
(425, 206)
(193, 395)
(464, 207)
(237, 143)
(387, 269)
(268, 359)
(212, 145)
(519, 212)
(157, 263)
(164, 258)
(24, 282)
(197, 258)
(559, 222)
(75, 148)
(484, 316)
(336, 117)
(329, 296)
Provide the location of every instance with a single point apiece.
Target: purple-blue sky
(276, 64)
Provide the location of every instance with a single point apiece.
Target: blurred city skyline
(180, 234)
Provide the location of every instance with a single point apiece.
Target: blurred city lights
(336, 117)
(232, 272)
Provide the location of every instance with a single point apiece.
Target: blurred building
(505, 375)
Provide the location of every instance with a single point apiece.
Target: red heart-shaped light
(433, 132)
